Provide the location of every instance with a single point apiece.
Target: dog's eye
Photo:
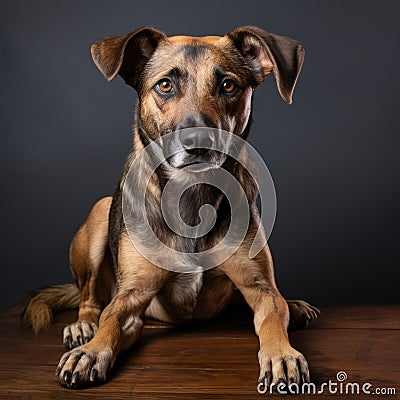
(228, 86)
(164, 86)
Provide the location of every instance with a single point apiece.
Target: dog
(182, 83)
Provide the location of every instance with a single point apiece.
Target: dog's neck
(191, 200)
(192, 196)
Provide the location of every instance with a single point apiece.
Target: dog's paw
(301, 314)
(81, 367)
(286, 367)
(78, 333)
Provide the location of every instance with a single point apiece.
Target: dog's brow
(178, 73)
(219, 72)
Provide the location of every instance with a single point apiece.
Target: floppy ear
(266, 53)
(126, 55)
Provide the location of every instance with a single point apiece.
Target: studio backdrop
(333, 154)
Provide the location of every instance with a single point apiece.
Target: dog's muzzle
(202, 147)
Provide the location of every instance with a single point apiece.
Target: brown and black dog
(182, 82)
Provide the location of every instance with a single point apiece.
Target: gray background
(333, 154)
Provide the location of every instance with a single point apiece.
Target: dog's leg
(301, 314)
(279, 361)
(91, 266)
(121, 322)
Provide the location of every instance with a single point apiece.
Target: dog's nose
(195, 134)
(196, 141)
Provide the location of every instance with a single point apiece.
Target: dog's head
(187, 82)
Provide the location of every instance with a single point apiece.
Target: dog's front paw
(82, 367)
(282, 367)
(78, 333)
(301, 314)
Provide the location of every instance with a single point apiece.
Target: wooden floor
(217, 360)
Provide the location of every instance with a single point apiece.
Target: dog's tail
(39, 312)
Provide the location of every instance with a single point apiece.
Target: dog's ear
(126, 55)
(266, 53)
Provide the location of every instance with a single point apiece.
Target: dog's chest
(179, 296)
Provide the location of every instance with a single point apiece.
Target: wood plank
(359, 317)
(215, 360)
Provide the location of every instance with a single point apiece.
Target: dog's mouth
(188, 164)
(183, 160)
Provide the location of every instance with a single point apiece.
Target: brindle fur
(118, 286)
